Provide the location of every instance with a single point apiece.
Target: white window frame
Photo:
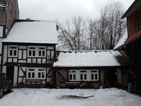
(13, 49)
(94, 73)
(43, 51)
(32, 51)
(84, 75)
(41, 72)
(33, 72)
(72, 73)
(36, 73)
(37, 50)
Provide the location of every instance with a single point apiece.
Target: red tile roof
(133, 37)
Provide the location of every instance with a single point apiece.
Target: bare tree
(109, 28)
(72, 34)
(97, 34)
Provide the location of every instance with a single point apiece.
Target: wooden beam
(49, 72)
(2, 57)
(61, 76)
(23, 71)
(18, 76)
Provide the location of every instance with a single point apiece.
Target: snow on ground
(52, 97)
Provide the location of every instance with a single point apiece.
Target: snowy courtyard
(58, 97)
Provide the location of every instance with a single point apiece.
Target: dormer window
(13, 51)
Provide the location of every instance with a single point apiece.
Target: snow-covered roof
(33, 32)
(121, 41)
(87, 59)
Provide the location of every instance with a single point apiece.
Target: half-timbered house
(29, 52)
(89, 68)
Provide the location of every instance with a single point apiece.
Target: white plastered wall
(1, 31)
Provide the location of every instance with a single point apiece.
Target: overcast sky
(63, 9)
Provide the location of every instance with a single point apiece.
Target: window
(36, 51)
(31, 74)
(83, 75)
(42, 51)
(41, 73)
(72, 75)
(31, 51)
(36, 73)
(94, 75)
(13, 51)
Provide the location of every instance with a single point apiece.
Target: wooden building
(29, 52)
(89, 69)
(131, 47)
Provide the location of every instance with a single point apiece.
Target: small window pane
(74, 77)
(41, 69)
(93, 71)
(31, 47)
(33, 75)
(39, 75)
(39, 53)
(41, 48)
(29, 53)
(70, 76)
(42, 75)
(13, 47)
(85, 76)
(29, 75)
(31, 69)
(92, 76)
(33, 53)
(43, 53)
(83, 71)
(15, 52)
(81, 76)
(95, 76)
(10, 52)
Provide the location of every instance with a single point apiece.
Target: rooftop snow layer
(121, 41)
(33, 32)
(87, 59)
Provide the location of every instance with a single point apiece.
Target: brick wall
(12, 12)
(134, 23)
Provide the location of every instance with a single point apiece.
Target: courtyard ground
(70, 97)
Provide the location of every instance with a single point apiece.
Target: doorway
(10, 73)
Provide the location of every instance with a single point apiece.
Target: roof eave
(130, 8)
